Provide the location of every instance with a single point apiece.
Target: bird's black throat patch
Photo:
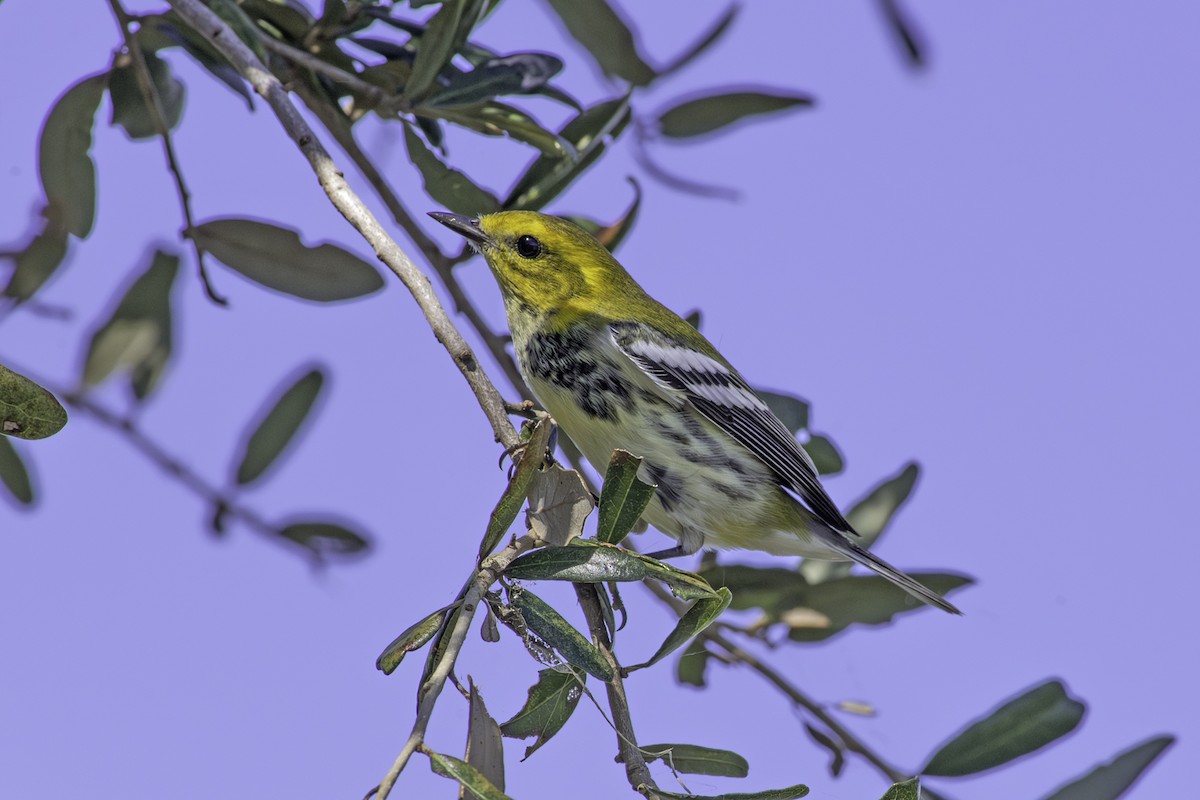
(562, 359)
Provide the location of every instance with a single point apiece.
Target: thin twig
(376, 94)
(158, 117)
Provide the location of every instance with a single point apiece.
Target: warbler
(617, 369)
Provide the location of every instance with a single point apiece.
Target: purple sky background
(989, 267)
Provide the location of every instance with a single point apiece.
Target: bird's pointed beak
(466, 227)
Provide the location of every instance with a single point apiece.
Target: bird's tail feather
(877, 564)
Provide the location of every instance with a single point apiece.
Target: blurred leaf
(790, 793)
(515, 492)
(440, 642)
(908, 36)
(824, 454)
(519, 73)
(694, 319)
(702, 115)
(325, 538)
(13, 473)
(472, 780)
(1111, 780)
(603, 33)
(129, 107)
(692, 664)
(290, 19)
(555, 631)
(702, 614)
(791, 410)
(623, 497)
(580, 563)
(870, 517)
(448, 187)
(559, 504)
(485, 748)
(908, 790)
(64, 161)
(242, 26)
(550, 704)
(27, 411)
(39, 260)
(703, 43)
(138, 334)
(612, 235)
(838, 753)
(286, 413)
(498, 119)
(589, 133)
(1028, 722)
(159, 31)
(693, 759)
(444, 34)
(275, 257)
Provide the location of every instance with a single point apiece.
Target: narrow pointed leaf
(485, 747)
(623, 497)
(28, 411)
(692, 665)
(325, 538)
(498, 119)
(550, 703)
(13, 473)
(555, 631)
(791, 410)
(908, 790)
(824, 454)
(291, 19)
(286, 413)
(1028, 722)
(580, 563)
(64, 155)
(702, 614)
(559, 504)
(612, 235)
(870, 517)
(1111, 780)
(448, 187)
(519, 73)
(603, 33)
(693, 759)
(440, 642)
(437, 45)
(790, 793)
(906, 33)
(513, 497)
(708, 114)
(683, 584)
(129, 107)
(836, 751)
(276, 258)
(138, 334)
(714, 33)
(472, 780)
(38, 262)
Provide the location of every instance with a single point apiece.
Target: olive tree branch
(141, 71)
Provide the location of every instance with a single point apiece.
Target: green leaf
(1028, 722)
(790, 793)
(589, 133)
(438, 650)
(1111, 780)
(870, 517)
(550, 703)
(129, 107)
(837, 752)
(519, 73)
(905, 32)
(278, 425)
(275, 257)
(693, 759)
(485, 747)
(27, 411)
(39, 260)
(498, 119)
(325, 538)
(578, 563)
(623, 497)
(439, 44)
(559, 504)
(513, 497)
(791, 410)
(694, 319)
(824, 454)
(448, 187)
(692, 664)
(683, 584)
(13, 473)
(702, 614)
(414, 637)
(703, 115)
(160, 31)
(472, 780)
(64, 155)
(908, 790)
(603, 33)
(291, 19)
(138, 334)
(714, 33)
(241, 25)
(555, 631)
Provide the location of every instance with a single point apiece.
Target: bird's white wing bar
(724, 398)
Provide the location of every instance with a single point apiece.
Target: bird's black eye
(528, 247)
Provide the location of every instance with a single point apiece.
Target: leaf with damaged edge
(555, 631)
(550, 703)
(476, 784)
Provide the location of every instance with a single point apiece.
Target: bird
(617, 369)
